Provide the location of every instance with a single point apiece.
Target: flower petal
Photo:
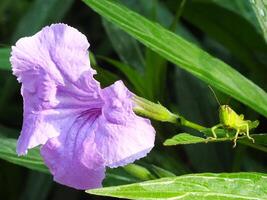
(57, 81)
(73, 158)
(122, 136)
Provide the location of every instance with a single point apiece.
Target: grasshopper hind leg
(247, 133)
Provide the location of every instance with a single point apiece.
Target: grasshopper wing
(253, 124)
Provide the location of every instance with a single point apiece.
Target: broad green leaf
(4, 59)
(251, 52)
(184, 138)
(260, 9)
(186, 55)
(32, 160)
(161, 14)
(208, 186)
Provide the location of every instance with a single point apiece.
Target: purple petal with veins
(82, 128)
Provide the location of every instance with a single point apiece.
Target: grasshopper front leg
(236, 136)
(214, 128)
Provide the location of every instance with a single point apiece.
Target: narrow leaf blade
(260, 9)
(208, 186)
(33, 159)
(186, 138)
(184, 54)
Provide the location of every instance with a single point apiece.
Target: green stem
(152, 110)
(158, 112)
(177, 15)
(192, 125)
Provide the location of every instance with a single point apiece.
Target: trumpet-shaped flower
(82, 128)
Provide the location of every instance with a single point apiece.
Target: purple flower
(81, 127)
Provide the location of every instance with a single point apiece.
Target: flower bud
(152, 110)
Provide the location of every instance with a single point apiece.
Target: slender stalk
(158, 112)
(177, 15)
(192, 125)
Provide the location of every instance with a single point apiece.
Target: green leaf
(208, 186)
(186, 55)
(251, 52)
(32, 160)
(4, 59)
(260, 9)
(186, 138)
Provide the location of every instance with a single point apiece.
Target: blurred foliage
(227, 29)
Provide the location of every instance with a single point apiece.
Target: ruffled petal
(59, 50)
(82, 128)
(57, 82)
(73, 158)
(122, 136)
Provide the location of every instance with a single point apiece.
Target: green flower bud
(152, 110)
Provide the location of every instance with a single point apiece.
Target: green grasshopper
(229, 119)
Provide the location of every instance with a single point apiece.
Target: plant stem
(177, 15)
(185, 122)
(158, 112)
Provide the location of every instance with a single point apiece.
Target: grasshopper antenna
(214, 95)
